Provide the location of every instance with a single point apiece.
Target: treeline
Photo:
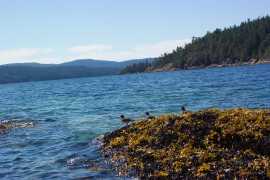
(233, 45)
(137, 67)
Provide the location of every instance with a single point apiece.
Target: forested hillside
(12, 74)
(24, 72)
(250, 41)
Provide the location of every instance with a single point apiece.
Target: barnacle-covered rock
(212, 143)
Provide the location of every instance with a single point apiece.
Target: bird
(149, 116)
(183, 109)
(125, 120)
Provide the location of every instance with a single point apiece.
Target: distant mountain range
(24, 72)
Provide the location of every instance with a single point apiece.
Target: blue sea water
(70, 114)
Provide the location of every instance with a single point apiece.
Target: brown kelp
(212, 143)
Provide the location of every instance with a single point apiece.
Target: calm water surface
(70, 114)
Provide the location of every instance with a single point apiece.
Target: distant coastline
(249, 63)
(28, 72)
(245, 44)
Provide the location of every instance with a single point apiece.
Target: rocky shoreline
(170, 67)
(212, 143)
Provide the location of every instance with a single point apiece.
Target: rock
(207, 144)
(253, 61)
(2, 128)
(11, 124)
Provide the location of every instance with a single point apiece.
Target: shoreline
(169, 67)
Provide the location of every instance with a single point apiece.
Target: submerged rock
(205, 144)
(11, 124)
(2, 128)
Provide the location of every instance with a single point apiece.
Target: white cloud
(159, 48)
(22, 55)
(90, 48)
(91, 51)
(140, 51)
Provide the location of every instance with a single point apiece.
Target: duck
(149, 116)
(125, 120)
(183, 109)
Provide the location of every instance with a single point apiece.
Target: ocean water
(69, 115)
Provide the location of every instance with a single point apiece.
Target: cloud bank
(23, 54)
(140, 51)
(90, 48)
(90, 51)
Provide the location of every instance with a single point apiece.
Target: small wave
(50, 120)
(89, 158)
(18, 124)
(98, 141)
(72, 161)
(14, 123)
(79, 162)
(93, 165)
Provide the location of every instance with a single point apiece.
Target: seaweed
(211, 143)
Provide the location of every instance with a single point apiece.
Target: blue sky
(55, 31)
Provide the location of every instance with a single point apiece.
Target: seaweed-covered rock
(211, 143)
(2, 128)
(11, 124)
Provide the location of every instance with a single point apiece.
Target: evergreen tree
(236, 44)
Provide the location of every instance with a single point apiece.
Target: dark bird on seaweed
(149, 116)
(125, 120)
(183, 109)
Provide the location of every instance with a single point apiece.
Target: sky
(56, 31)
